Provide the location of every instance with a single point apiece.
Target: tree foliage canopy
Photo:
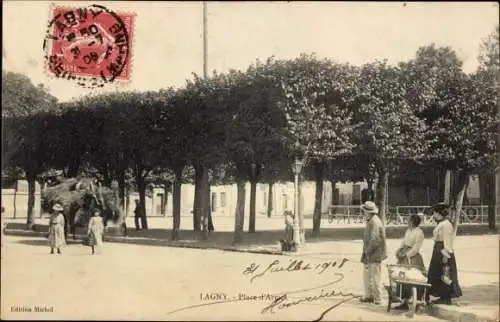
(355, 118)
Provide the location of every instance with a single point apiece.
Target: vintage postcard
(250, 161)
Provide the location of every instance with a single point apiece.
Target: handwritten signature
(294, 265)
(282, 301)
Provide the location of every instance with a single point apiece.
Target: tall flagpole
(206, 198)
(205, 39)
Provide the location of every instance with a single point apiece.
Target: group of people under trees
(442, 273)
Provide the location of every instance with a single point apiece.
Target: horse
(79, 213)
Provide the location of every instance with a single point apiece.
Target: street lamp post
(297, 167)
(205, 40)
(302, 230)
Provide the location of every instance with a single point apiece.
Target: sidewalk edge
(446, 313)
(155, 241)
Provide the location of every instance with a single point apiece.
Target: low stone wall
(15, 203)
(265, 236)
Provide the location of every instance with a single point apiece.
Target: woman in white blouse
(442, 273)
(409, 251)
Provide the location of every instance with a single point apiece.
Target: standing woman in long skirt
(443, 275)
(95, 231)
(56, 229)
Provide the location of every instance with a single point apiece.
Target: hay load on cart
(80, 198)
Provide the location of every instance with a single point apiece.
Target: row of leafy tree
(349, 122)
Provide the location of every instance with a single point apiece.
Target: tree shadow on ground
(44, 242)
(160, 236)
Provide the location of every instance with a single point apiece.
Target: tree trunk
(407, 194)
(493, 207)
(454, 187)
(204, 201)
(254, 179)
(196, 202)
(141, 185)
(335, 196)
(122, 201)
(302, 229)
(127, 203)
(487, 193)
(319, 171)
(492, 202)
(270, 199)
(30, 222)
(73, 168)
(462, 181)
(239, 216)
(370, 190)
(333, 200)
(106, 177)
(196, 222)
(441, 178)
(382, 184)
(176, 203)
(164, 204)
(121, 187)
(253, 193)
(207, 219)
(484, 186)
(15, 203)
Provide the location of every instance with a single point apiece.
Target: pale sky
(167, 41)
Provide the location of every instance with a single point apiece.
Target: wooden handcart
(416, 302)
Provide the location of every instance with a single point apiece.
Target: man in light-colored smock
(374, 252)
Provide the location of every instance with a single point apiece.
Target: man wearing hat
(374, 252)
(56, 229)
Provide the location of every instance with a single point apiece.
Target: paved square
(134, 282)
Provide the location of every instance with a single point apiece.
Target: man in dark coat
(137, 214)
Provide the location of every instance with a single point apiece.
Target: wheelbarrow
(417, 302)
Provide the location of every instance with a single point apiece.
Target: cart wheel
(413, 304)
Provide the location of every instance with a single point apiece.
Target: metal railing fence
(398, 215)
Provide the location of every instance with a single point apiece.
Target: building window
(214, 201)
(285, 202)
(160, 209)
(222, 199)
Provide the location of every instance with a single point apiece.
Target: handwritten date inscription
(257, 270)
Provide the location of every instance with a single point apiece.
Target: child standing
(95, 231)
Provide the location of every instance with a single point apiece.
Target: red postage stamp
(91, 45)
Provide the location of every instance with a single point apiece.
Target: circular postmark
(90, 45)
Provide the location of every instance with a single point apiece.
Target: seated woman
(409, 253)
(443, 274)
